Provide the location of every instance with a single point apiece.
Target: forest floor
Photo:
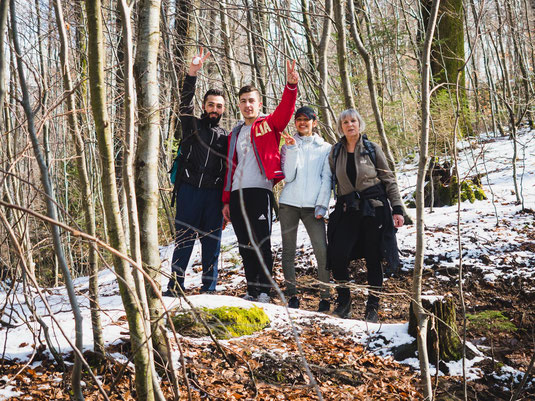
(348, 359)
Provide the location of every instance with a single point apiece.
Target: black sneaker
(324, 306)
(293, 302)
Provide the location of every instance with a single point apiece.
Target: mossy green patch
(492, 320)
(447, 194)
(224, 322)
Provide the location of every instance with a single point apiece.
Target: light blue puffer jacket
(307, 172)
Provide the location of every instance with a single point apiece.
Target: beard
(212, 118)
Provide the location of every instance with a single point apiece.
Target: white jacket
(307, 172)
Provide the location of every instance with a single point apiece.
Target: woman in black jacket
(368, 212)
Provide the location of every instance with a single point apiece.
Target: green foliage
(493, 321)
(444, 112)
(469, 191)
(224, 322)
(447, 194)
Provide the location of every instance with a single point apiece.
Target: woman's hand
(288, 139)
(399, 220)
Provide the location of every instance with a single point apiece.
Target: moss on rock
(224, 322)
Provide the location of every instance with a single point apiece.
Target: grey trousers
(289, 219)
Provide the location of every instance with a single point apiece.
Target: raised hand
(291, 74)
(197, 62)
(288, 139)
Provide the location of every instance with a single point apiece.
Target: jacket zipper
(207, 156)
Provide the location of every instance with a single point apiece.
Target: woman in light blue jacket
(305, 197)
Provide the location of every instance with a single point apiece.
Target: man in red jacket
(253, 167)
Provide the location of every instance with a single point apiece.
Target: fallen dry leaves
(265, 367)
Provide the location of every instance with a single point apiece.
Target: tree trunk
(185, 33)
(311, 53)
(254, 28)
(147, 154)
(447, 55)
(341, 47)
(373, 96)
(129, 183)
(229, 52)
(325, 108)
(85, 185)
(51, 209)
(96, 57)
(421, 314)
(442, 339)
(4, 6)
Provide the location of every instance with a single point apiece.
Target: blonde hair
(349, 113)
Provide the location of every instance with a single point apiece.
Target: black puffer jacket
(204, 145)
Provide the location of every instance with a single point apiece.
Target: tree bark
(421, 314)
(4, 6)
(229, 52)
(447, 54)
(325, 108)
(442, 339)
(341, 47)
(373, 95)
(85, 185)
(138, 337)
(311, 54)
(147, 154)
(51, 209)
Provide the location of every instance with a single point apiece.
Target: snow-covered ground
(480, 233)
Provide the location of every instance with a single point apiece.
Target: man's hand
(226, 215)
(291, 74)
(288, 139)
(197, 62)
(399, 220)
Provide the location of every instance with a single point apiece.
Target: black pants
(258, 207)
(356, 234)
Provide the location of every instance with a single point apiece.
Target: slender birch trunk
(325, 108)
(372, 89)
(341, 47)
(147, 153)
(128, 175)
(51, 208)
(138, 337)
(423, 164)
(4, 7)
(229, 51)
(85, 185)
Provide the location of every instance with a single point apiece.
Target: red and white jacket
(265, 138)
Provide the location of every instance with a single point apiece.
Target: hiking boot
(248, 297)
(371, 314)
(293, 302)
(324, 306)
(171, 292)
(343, 309)
(264, 298)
